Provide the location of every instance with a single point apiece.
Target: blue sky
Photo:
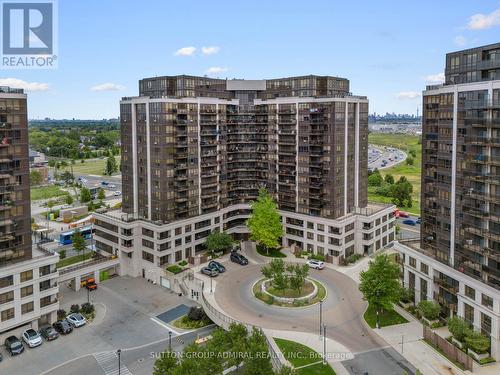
(389, 50)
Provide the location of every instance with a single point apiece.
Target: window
(187, 228)
(424, 268)
(27, 291)
(310, 225)
(469, 313)
(6, 297)
(487, 301)
(470, 292)
(26, 275)
(7, 314)
(310, 236)
(187, 239)
(178, 242)
(6, 281)
(485, 323)
(178, 231)
(148, 232)
(321, 227)
(45, 270)
(147, 256)
(413, 262)
(27, 307)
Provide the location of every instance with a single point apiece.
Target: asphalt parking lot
(125, 308)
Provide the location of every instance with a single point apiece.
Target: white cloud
(408, 95)
(435, 78)
(484, 21)
(216, 70)
(108, 86)
(460, 40)
(212, 50)
(185, 51)
(20, 84)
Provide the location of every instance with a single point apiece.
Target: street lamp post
(119, 352)
(211, 288)
(320, 317)
(324, 344)
(88, 295)
(169, 341)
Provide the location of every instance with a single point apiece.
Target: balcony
(443, 283)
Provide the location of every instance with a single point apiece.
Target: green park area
(89, 166)
(305, 360)
(411, 144)
(46, 192)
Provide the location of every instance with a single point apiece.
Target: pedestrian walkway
(108, 361)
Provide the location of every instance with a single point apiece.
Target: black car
(13, 345)
(49, 333)
(238, 258)
(216, 266)
(63, 327)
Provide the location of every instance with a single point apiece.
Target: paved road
(377, 155)
(408, 231)
(343, 312)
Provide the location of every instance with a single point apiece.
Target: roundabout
(311, 293)
(342, 307)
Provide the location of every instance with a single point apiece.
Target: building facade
(28, 290)
(461, 192)
(196, 151)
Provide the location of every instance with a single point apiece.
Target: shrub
(74, 308)
(458, 327)
(353, 258)
(410, 160)
(429, 309)
(196, 313)
(183, 263)
(477, 342)
(62, 254)
(174, 268)
(407, 295)
(318, 257)
(61, 314)
(87, 308)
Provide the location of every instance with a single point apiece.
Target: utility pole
(119, 352)
(169, 341)
(324, 344)
(320, 317)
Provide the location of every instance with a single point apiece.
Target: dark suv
(216, 266)
(238, 258)
(13, 345)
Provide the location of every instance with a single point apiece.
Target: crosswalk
(108, 361)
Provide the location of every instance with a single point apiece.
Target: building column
(97, 276)
(78, 281)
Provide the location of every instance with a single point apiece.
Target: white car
(76, 320)
(117, 193)
(111, 186)
(317, 264)
(32, 338)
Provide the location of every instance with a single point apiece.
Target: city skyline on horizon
(89, 87)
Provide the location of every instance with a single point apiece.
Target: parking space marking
(108, 361)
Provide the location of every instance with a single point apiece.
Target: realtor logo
(29, 34)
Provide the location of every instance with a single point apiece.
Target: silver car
(317, 264)
(32, 338)
(212, 272)
(76, 320)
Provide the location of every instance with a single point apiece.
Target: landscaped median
(305, 360)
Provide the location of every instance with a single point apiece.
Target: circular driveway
(343, 307)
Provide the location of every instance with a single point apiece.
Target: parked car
(63, 327)
(49, 333)
(217, 266)
(111, 186)
(419, 221)
(403, 214)
(238, 258)
(117, 193)
(410, 222)
(13, 345)
(316, 264)
(76, 320)
(91, 284)
(212, 272)
(104, 183)
(32, 338)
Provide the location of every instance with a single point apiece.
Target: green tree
(410, 160)
(477, 342)
(429, 309)
(62, 254)
(258, 364)
(52, 162)
(166, 364)
(78, 242)
(401, 193)
(458, 327)
(298, 274)
(68, 199)
(389, 178)
(380, 283)
(218, 241)
(101, 194)
(111, 166)
(275, 270)
(265, 221)
(35, 178)
(375, 178)
(67, 177)
(85, 195)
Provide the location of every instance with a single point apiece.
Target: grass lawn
(46, 192)
(300, 355)
(185, 323)
(74, 259)
(387, 318)
(270, 301)
(91, 166)
(292, 293)
(406, 143)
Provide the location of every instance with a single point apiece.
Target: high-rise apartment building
(28, 286)
(457, 259)
(196, 151)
